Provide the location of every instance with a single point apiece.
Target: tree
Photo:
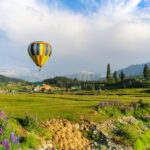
(115, 76)
(146, 72)
(108, 76)
(122, 75)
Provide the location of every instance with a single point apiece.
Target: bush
(30, 141)
(142, 141)
(129, 132)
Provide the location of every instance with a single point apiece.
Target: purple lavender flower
(7, 124)
(101, 104)
(1, 131)
(3, 141)
(35, 118)
(9, 147)
(12, 136)
(5, 118)
(2, 113)
(15, 141)
(5, 144)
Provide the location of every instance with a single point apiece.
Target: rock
(77, 126)
(67, 135)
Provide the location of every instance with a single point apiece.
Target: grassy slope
(72, 107)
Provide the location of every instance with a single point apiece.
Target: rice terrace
(75, 75)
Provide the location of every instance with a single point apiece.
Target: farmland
(37, 117)
(69, 106)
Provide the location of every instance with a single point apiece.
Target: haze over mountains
(129, 71)
(83, 75)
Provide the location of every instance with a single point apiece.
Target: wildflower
(101, 104)
(16, 141)
(5, 118)
(35, 118)
(12, 136)
(9, 147)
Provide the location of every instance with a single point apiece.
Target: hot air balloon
(40, 52)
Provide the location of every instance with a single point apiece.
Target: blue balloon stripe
(38, 49)
(50, 51)
(46, 53)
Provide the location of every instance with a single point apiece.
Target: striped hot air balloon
(40, 52)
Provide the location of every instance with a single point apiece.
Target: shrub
(129, 132)
(30, 141)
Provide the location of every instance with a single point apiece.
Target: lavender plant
(7, 142)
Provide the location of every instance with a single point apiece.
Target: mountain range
(8, 79)
(131, 70)
(85, 76)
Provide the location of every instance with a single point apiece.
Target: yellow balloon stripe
(47, 57)
(42, 61)
(41, 49)
(44, 49)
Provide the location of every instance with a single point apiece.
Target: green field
(67, 105)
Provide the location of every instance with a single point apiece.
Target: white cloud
(117, 33)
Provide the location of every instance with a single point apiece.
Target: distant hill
(8, 79)
(134, 69)
(131, 70)
(85, 76)
(61, 81)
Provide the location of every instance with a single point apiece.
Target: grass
(75, 108)
(69, 106)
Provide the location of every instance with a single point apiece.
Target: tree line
(113, 80)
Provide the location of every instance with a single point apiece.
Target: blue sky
(81, 5)
(85, 35)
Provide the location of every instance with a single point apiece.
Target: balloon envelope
(40, 52)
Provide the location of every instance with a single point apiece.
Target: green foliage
(2, 148)
(128, 83)
(110, 111)
(129, 132)
(139, 145)
(142, 141)
(146, 72)
(62, 82)
(122, 76)
(115, 76)
(30, 123)
(108, 73)
(30, 141)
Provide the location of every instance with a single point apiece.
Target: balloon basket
(40, 70)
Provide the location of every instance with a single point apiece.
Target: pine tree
(115, 76)
(146, 72)
(108, 76)
(122, 76)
